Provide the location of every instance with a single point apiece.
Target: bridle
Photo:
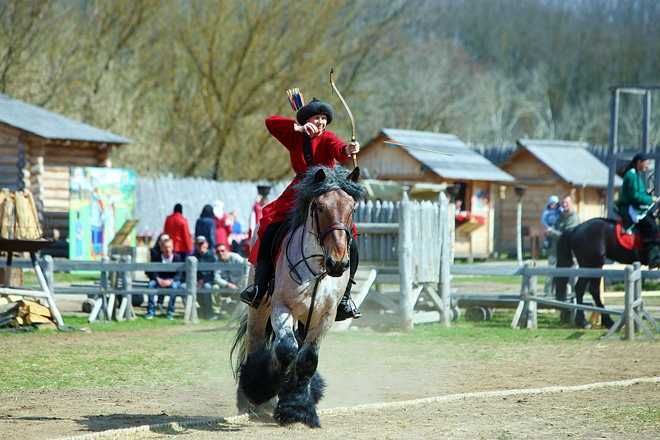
(320, 237)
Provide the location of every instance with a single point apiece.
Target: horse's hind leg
(259, 379)
(596, 295)
(580, 287)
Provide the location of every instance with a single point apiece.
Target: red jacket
(327, 149)
(176, 226)
(222, 231)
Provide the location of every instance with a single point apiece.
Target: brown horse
(278, 343)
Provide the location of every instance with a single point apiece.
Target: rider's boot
(254, 293)
(265, 269)
(347, 308)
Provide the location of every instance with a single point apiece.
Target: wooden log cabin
(37, 149)
(545, 168)
(411, 157)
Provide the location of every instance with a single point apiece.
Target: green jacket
(633, 192)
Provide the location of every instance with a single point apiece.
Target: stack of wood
(19, 219)
(19, 312)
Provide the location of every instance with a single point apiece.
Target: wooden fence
(414, 238)
(108, 292)
(633, 317)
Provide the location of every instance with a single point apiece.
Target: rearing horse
(277, 344)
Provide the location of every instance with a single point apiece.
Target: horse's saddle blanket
(626, 240)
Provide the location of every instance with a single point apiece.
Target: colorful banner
(101, 200)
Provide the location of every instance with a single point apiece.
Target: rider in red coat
(309, 144)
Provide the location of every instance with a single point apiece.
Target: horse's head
(330, 196)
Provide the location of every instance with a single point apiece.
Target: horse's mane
(307, 190)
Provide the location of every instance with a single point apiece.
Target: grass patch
(30, 278)
(486, 279)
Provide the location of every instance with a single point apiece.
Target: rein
(318, 276)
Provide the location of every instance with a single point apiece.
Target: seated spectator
(164, 280)
(227, 279)
(204, 278)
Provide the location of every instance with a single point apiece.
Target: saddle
(627, 240)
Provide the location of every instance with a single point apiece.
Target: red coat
(327, 149)
(176, 226)
(222, 230)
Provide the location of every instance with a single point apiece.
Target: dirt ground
(622, 414)
(363, 372)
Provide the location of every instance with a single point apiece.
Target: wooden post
(46, 280)
(519, 252)
(521, 311)
(105, 311)
(532, 315)
(190, 314)
(126, 306)
(629, 298)
(445, 260)
(405, 263)
(613, 147)
(637, 291)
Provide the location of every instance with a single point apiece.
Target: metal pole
(613, 146)
(445, 262)
(646, 121)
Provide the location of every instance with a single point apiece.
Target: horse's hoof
(297, 411)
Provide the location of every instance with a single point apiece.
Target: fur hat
(315, 107)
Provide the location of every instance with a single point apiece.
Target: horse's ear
(319, 176)
(355, 174)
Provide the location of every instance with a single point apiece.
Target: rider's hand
(311, 129)
(352, 148)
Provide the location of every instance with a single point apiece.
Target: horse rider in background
(635, 206)
(308, 143)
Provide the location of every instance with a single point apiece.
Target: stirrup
(346, 309)
(250, 296)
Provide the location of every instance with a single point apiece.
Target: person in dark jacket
(205, 225)
(204, 278)
(164, 280)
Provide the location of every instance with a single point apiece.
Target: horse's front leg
(300, 390)
(606, 320)
(580, 287)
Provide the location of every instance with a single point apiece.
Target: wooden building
(37, 148)
(413, 157)
(545, 168)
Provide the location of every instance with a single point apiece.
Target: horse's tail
(238, 351)
(564, 259)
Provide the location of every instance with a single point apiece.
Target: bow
(348, 110)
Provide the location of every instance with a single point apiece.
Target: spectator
(204, 278)
(223, 224)
(257, 208)
(205, 226)
(176, 226)
(567, 220)
(549, 217)
(227, 279)
(164, 280)
(155, 255)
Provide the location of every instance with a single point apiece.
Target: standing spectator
(204, 278)
(176, 226)
(223, 223)
(567, 220)
(205, 225)
(257, 208)
(164, 280)
(549, 217)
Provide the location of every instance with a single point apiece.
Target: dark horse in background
(593, 243)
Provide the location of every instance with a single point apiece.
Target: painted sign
(101, 200)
